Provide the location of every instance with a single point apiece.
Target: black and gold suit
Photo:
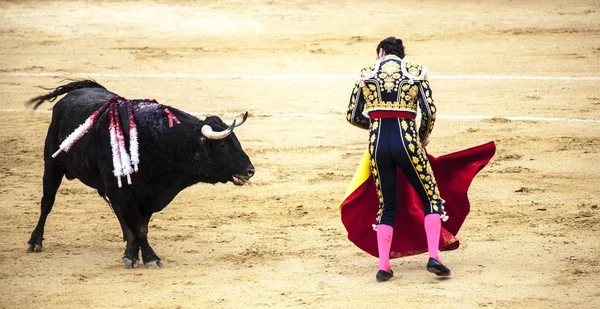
(396, 87)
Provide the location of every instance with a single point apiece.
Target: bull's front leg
(132, 248)
(151, 260)
(135, 230)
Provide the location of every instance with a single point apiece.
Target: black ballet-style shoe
(433, 266)
(383, 276)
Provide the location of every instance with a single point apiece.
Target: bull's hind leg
(52, 178)
(135, 230)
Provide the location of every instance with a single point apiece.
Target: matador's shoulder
(367, 72)
(414, 70)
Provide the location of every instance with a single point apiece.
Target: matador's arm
(354, 113)
(428, 110)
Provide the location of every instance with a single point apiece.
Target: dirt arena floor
(531, 241)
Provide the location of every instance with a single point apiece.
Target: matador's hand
(425, 143)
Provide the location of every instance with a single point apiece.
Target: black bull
(172, 156)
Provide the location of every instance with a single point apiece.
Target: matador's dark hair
(391, 46)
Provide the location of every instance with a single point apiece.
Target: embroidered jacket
(392, 84)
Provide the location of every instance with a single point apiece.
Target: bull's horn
(241, 121)
(210, 134)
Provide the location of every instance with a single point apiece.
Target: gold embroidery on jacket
(388, 88)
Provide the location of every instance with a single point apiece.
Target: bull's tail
(60, 90)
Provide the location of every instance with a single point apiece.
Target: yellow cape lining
(363, 172)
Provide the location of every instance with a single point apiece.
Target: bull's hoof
(34, 248)
(130, 264)
(154, 264)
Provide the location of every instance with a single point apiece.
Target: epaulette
(414, 71)
(368, 71)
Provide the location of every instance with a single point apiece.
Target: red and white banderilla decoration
(123, 163)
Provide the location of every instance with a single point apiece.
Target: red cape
(454, 173)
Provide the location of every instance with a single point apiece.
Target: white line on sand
(282, 76)
(307, 115)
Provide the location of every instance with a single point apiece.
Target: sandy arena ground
(531, 240)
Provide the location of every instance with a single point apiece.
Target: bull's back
(70, 112)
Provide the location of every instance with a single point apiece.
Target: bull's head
(227, 159)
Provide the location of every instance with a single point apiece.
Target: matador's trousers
(393, 144)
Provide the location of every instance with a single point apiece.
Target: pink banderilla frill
(171, 118)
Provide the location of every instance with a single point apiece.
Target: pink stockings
(384, 243)
(433, 225)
